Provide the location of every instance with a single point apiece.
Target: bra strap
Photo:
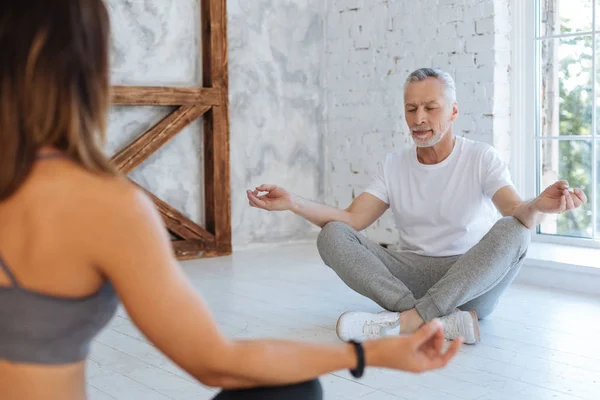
(8, 272)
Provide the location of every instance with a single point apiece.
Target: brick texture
(371, 47)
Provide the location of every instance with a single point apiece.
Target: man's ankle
(410, 321)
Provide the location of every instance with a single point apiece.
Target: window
(557, 68)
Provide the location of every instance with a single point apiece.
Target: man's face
(428, 112)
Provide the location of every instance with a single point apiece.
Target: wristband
(360, 355)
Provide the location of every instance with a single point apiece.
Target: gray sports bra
(45, 329)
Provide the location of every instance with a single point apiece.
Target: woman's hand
(422, 351)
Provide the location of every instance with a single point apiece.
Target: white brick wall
(373, 45)
(502, 82)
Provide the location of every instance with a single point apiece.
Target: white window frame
(524, 114)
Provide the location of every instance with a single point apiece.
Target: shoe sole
(475, 326)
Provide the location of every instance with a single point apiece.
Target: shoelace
(372, 328)
(451, 328)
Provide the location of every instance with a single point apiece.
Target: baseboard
(560, 276)
(310, 238)
(551, 272)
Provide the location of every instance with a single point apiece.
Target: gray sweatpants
(435, 286)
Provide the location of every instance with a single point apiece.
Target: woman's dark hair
(54, 84)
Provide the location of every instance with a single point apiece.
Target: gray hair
(423, 73)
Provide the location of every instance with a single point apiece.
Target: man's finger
(266, 188)
(569, 200)
(576, 201)
(252, 202)
(259, 203)
(580, 195)
(562, 184)
(250, 194)
(563, 203)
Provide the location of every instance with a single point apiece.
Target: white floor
(539, 344)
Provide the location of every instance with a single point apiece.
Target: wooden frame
(210, 102)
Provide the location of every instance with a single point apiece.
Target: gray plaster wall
(372, 46)
(315, 94)
(276, 96)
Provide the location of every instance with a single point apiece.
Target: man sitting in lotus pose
(456, 256)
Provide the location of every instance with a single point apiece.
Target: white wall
(315, 93)
(276, 50)
(372, 47)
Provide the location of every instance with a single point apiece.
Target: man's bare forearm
(528, 214)
(318, 214)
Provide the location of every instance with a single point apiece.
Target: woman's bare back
(45, 241)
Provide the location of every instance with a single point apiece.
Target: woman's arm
(132, 248)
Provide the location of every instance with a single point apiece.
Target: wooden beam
(188, 249)
(216, 124)
(164, 96)
(178, 223)
(144, 146)
(211, 99)
(217, 179)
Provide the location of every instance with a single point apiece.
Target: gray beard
(435, 139)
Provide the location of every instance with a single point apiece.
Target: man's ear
(454, 112)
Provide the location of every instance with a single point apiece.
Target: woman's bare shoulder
(104, 195)
(120, 219)
(61, 205)
(73, 193)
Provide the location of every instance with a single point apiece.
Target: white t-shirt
(446, 208)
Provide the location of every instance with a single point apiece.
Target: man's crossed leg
(415, 289)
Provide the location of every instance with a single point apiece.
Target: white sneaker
(360, 326)
(463, 324)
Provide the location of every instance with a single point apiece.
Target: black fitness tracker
(360, 355)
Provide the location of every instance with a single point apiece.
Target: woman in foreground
(76, 238)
